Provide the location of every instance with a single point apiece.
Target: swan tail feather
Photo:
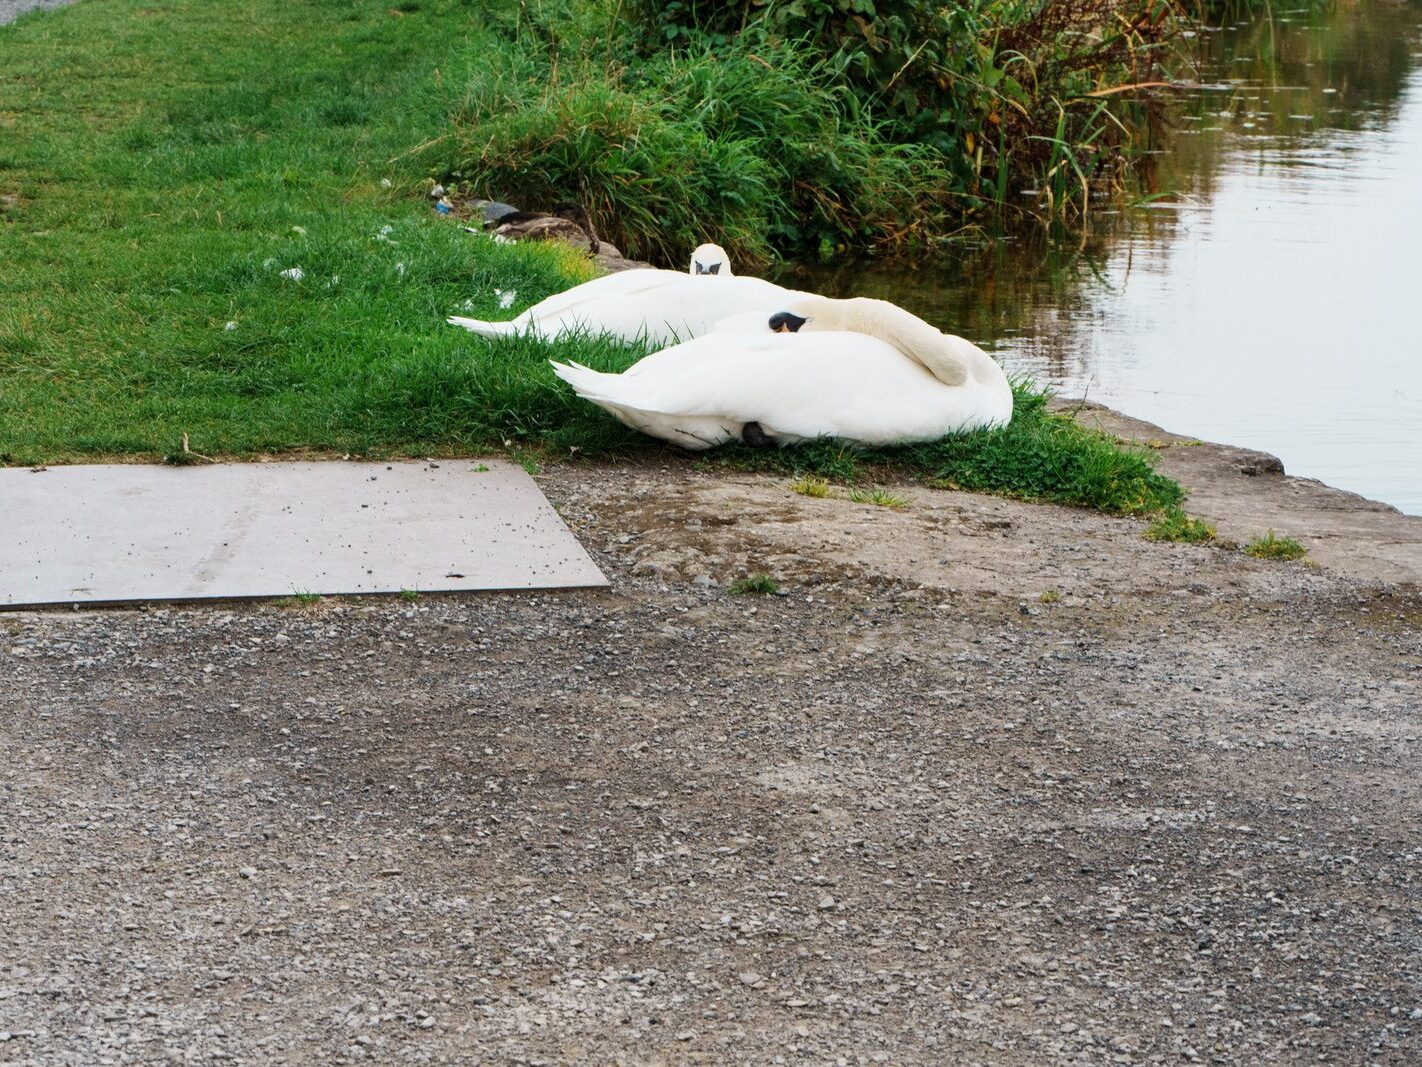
(690, 432)
(486, 329)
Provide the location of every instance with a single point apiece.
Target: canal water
(1272, 298)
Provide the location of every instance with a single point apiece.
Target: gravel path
(10, 10)
(1170, 815)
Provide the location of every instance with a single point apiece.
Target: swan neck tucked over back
(918, 340)
(711, 259)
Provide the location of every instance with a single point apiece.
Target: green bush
(999, 87)
(764, 153)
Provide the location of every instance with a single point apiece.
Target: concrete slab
(101, 534)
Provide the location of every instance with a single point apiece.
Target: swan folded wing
(667, 314)
(588, 295)
(796, 386)
(609, 392)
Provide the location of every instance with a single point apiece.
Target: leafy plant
(761, 149)
(756, 584)
(878, 497)
(811, 486)
(1174, 525)
(1270, 546)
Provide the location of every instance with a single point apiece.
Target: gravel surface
(10, 10)
(1170, 815)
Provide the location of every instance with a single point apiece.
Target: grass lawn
(209, 224)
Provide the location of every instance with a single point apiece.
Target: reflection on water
(1273, 299)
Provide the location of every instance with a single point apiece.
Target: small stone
(685, 1035)
(750, 978)
(1312, 1018)
(427, 1022)
(826, 902)
(247, 872)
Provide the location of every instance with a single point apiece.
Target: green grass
(167, 163)
(1269, 546)
(756, 584)
(166, 168)
(811, 487)
(881, 498)
(1174, 525)
(755, 135)
(1040, 455)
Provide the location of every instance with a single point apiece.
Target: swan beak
(786, 322)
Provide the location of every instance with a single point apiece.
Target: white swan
(906, 383)
(659, 307)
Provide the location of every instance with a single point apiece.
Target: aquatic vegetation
(1014, 95)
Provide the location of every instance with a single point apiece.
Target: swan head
(710, 259)
(819, 313)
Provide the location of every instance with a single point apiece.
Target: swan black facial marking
(715, 268)
(786, 322)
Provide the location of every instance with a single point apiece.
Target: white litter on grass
(335, 281)
(384, 234)
(268, 264)
(294, 273)
(467, 305)
(386, 183)
(500, 239)
(400, 269)
(230, 326)
(506, 297)
(299, 229)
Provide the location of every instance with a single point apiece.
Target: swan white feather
(657, 306)
(800, 386)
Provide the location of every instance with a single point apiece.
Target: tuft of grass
(1270, 546)
(878, 497)
(1049, 596)
(1174, 525)
(1039, 455)
(303, 598)
(757, 139)
(409, 594)
(756, 584)
(813, 487)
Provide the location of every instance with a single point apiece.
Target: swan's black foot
(754, 435)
